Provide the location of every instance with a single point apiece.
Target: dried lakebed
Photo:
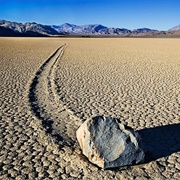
(44, 100)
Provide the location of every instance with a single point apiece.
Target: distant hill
(27, 29)
(144, 30)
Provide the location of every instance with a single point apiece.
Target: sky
(130, 14)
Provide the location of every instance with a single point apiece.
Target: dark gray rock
(108, 143)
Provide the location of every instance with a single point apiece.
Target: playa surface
(49, 86)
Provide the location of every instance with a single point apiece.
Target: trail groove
(45, 104)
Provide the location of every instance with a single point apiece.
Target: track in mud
(45, 104)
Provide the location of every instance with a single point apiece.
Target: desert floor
(49, 86)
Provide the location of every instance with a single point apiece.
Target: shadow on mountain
(160, 141)
(33, 34)
(6, 32)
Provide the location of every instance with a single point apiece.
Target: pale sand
(136, 80)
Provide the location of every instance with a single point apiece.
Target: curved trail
(45, 104)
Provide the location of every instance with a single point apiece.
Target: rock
(108, 144)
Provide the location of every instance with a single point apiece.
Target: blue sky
(131, 14)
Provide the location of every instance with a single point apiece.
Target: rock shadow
(160, 141)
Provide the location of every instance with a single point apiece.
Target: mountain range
(8, 28)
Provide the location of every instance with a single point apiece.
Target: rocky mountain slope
(175, 31)
(28, 28)
(176, 28)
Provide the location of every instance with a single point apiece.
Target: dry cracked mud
(48, 87)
